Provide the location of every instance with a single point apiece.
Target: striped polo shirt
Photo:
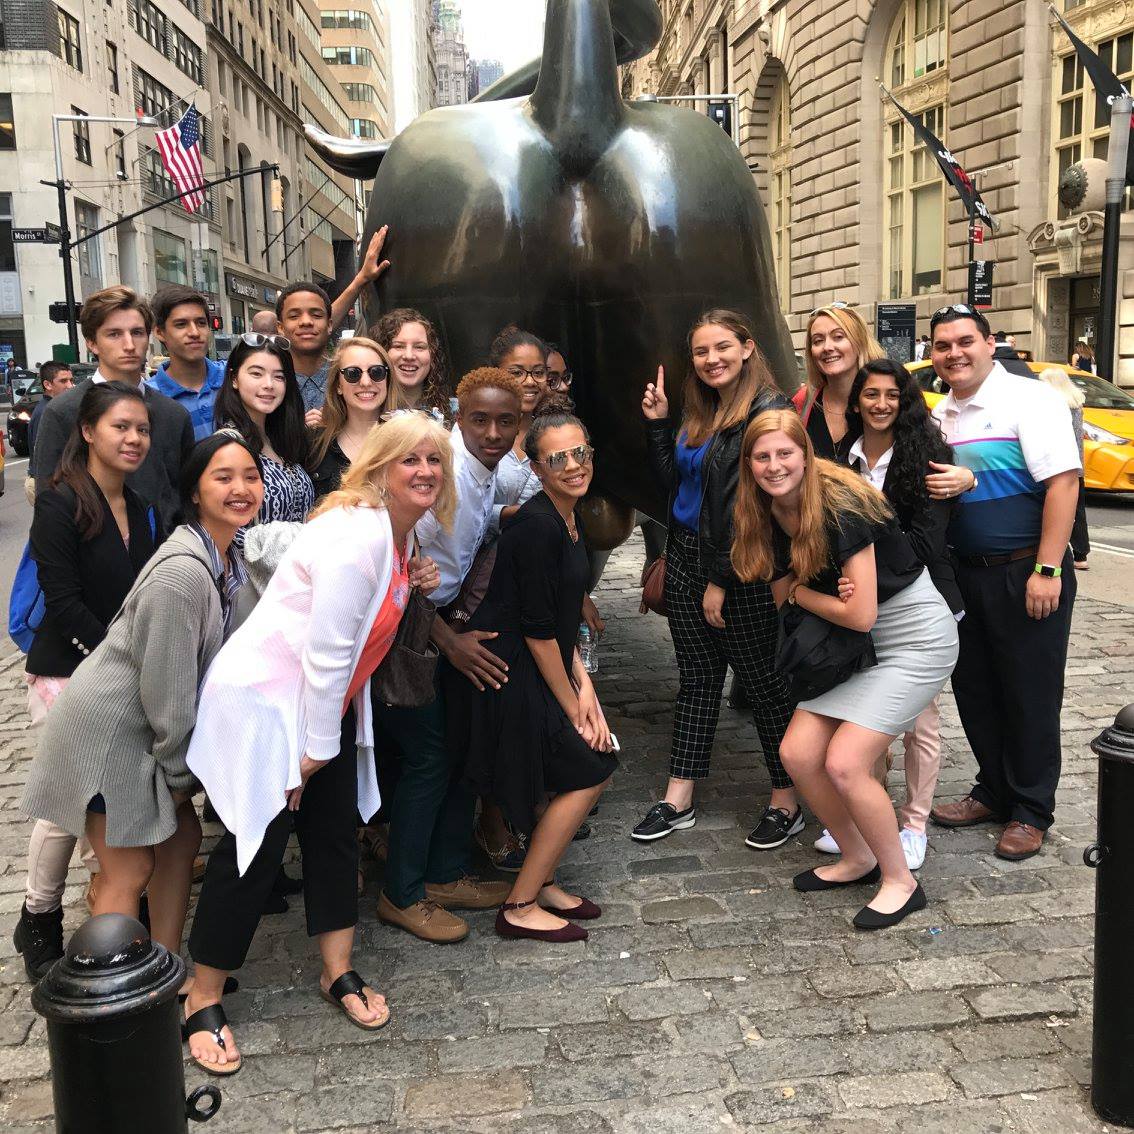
(1014, 433)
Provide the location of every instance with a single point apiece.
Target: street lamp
(64, 229)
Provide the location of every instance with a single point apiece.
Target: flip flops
(351, 984)
(210, 1019)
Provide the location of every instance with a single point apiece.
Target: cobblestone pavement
(710, 996)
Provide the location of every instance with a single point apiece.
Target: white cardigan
(276, 689)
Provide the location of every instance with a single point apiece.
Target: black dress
(521, 746)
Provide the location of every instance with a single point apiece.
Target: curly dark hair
(917, 438)
(436, 389)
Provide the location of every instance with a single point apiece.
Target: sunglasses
(256, 339)
(834, 305)
(559, 381)
(583, 455)
(521, 371)
(953, 308)
(379, 372)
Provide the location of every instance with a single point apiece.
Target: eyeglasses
(953, 309)
(582, 454)
(520, 372)
(834, 305)
(379, 372)
(557, 381)
(256, 339)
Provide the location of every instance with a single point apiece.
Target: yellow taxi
(1108, 422)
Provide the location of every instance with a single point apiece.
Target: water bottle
(588, 648)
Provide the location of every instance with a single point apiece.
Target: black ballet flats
(810, 883)
(866, 918)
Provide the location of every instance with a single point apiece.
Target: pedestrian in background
(804, 524)
(1010, 537)
(112, 757)
(716, 619)
(1075, 399)
(1083, 357)
(54, 378)
(90, 536)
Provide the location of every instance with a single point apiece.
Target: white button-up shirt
(876, 475)
(453, 551)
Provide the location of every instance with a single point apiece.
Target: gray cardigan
(122, 725)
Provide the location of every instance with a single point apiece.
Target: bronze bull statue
(606, 226)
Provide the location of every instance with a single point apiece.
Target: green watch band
(1048, 571)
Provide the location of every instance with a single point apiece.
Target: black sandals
(351, 984)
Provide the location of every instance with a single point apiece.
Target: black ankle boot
(39, 937)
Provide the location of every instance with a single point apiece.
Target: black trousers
(230, 906)
(1080, 537)
(1009, 688)
(747, 643)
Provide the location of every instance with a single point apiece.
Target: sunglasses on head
(256, 339)
(953, 309)
(834, 305)
(583, 455)
(379, 372)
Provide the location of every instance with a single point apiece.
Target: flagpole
(1120, 113)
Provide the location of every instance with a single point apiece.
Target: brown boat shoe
(424, 919)
(1019, 841)
(468, 893)
(967, 812)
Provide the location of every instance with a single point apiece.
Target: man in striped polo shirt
(1010, 535)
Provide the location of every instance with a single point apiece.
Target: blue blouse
(687, 502)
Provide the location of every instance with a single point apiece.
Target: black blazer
(720, 474)
(84, 581)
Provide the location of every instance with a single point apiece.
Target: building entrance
(1082, 326)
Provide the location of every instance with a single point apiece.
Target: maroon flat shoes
(562, 935)
(586, 910)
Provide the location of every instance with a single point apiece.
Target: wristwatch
(1048, 571)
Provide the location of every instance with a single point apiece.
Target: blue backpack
(26, 605)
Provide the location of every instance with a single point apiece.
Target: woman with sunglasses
(543, 732)
(259, 399)
(359, 392)
(416, 359)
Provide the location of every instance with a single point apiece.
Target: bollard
(1112, 858)
(114, 1034)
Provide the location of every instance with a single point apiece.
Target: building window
(112, 66)
(70, 46)
(349, 18)
(360, 92)
(90, 262)
(187, 56)
(1082, 120)
(347, 56)
(307, 25)
(210, 272)
(82, 135)
(150, 23)
(7, 246)
(780, 155)
(363, 128)
(152, 97)
(119, 154)
(7, 123)
(913, 251)
(170, 264)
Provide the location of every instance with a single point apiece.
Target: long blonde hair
(1063, 386)
(866, 347)
(704, 413)
(334, 406)
(364, 483)
(827, 492)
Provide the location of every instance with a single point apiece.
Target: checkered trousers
(747, 643)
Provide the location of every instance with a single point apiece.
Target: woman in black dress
(543, 732)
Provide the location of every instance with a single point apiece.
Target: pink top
(381, 636)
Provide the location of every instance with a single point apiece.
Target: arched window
(1081, 124)
(917, 74)
(780, 149)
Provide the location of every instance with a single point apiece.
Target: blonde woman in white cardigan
(285, 724)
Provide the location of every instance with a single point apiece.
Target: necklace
(572, 529)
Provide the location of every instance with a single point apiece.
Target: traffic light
(217, 322)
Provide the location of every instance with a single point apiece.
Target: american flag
(180, 148)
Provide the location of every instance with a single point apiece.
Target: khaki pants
(923, 763)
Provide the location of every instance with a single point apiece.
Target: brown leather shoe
(468, 893)
(967, 812)
(1019, 841)
(424, 919)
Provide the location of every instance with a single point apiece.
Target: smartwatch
(1048, 571)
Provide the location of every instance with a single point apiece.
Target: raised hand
(372, 267)
(655, 405)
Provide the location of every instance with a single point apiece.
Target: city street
(710, 995)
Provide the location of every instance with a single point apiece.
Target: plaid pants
(747, 643)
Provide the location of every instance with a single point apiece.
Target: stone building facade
(857, 211)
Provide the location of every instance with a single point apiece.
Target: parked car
(19, 418)
(18, 381)
(1108, 422)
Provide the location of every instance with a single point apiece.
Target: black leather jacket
(720, 473)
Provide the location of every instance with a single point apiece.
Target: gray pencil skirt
(915, 638)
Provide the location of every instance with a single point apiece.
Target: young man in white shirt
(1010, 535)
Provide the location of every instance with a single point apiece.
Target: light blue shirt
(516, 480)
(453, 551)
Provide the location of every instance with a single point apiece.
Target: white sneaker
(826, 843)
(913, 845)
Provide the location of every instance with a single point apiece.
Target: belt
(998, 560)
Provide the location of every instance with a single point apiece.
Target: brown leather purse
(653, 587)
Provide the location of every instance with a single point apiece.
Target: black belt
(998, 560)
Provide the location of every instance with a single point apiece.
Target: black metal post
(68, 277)
(972, 247)
(1112, 857)
(1121, 110)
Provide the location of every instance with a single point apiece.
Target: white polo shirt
(1014, 433)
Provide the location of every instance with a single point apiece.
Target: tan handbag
(653, 587)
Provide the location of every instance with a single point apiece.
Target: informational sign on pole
(980, 283)
(896, 324)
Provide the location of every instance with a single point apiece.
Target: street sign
(978, 233)
(897, 327)
(29, 236)
(53, 231)
(980, 283)
(57, 312)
